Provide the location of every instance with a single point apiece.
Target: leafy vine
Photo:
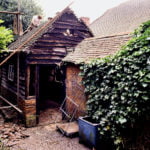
(118, 86)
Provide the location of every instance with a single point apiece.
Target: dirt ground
(49, 116)
(47, 138)
(42, 137)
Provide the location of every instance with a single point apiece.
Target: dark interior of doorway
(51, 86)
(51, 93)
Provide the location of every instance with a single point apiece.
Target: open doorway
(51, 92)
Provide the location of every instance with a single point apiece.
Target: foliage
(28, 7)
(5, 37)
(118, 86)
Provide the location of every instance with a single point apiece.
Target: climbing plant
(118, 86)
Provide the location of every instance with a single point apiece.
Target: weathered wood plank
(5, 100)
(47, 52)
(43, 61)
(68, 129)
(62, 41)
(6, 107)
(74, 23)
(45, 57)
(54, 45)
(37, 74)
(27, 80)
(59, 27)
(61, 36)
(10, 88)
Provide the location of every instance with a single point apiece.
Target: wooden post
(18, 75)
(37, 81)
(18, 19)
(29, 104)
(19, 5)
(27, 80)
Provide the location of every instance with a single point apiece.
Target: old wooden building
(32, 75)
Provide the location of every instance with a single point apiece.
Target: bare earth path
(42, 137)
(47, 138)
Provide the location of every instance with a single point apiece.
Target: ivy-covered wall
(118, 87)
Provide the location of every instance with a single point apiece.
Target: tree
(5, 36)
(28, 7)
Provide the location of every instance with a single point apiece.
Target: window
(11, 72)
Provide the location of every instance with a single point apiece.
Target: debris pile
(11, 129)
(11, 134)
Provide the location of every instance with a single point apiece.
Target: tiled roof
(97, 47)
(122, 19)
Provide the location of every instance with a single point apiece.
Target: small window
(11, 72)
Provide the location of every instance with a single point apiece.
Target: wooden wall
(74, 90)
(9, 88)
(56, 42)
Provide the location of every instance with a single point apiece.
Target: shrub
(118, 86)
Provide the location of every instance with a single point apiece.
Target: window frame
(11, 73)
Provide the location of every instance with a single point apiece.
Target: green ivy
(118, 86)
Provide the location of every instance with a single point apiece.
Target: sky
(82, 8)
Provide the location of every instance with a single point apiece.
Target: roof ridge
(109, 36)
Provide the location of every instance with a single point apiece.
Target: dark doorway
(51, 86)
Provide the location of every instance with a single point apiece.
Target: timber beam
(5, 107)
(9, 103)
(9, 12)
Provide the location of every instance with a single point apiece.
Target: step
(68, 129)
